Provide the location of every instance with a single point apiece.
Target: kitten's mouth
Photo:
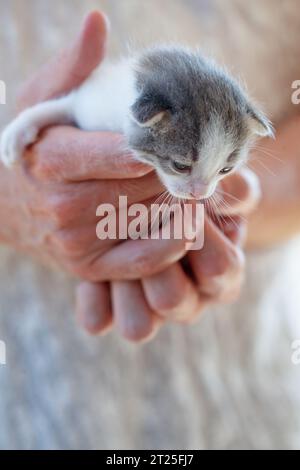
(197, 195)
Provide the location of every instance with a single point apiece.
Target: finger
(238, 193)
(93, 307)
(71, 66)
(69, 154)
(218, 267)
(172, 294)
(132, 316)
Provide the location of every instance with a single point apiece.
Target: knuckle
(43, 166)
(145, 264)
(43, 170)
(193, 318)
(230, 295)
(229, 290)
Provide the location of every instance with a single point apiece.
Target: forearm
(278, 166)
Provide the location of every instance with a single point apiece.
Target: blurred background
(227, 382)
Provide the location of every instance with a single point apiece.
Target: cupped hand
(182, 291)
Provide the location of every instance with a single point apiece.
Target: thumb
(71, 67)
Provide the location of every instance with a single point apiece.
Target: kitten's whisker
(226, 207)
(225, 204)
(265, 167)
(160, 196)
(168, 202)
(231, 196)
(267, 152)
(154, 204)
(224, 217)
(166, 197)
(208, 207)
(216, 214)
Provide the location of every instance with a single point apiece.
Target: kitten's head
(190, 121)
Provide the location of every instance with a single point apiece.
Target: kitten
(180, 113)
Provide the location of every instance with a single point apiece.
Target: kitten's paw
(14, 139)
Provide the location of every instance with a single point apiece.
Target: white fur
(104, 99)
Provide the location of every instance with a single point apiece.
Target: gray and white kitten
(180, 113)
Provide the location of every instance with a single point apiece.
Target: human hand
(59, 192)
(182, 291)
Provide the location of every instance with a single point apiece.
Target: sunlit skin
(68, 173)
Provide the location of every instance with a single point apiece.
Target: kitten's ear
(150, 110)
(259, 124)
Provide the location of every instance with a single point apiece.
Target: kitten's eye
(181, 167)
(226, 170)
